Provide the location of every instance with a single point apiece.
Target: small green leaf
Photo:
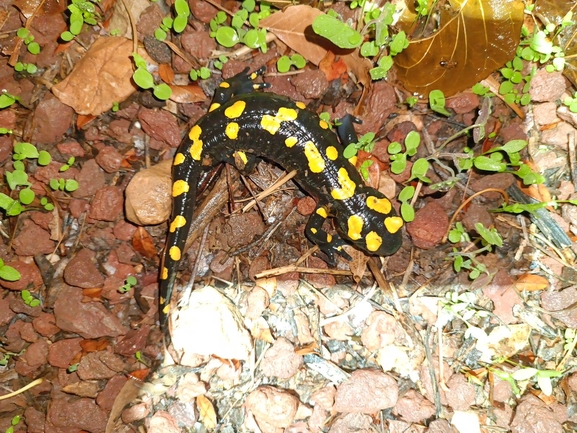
(26, 196)
(8, 273)
(337, 32)
(70, 185)
(44, 158)
(162, 91)
(437, 102)
(488, 164)
(407, 193)
(227, 37)
(143, 78)
(33, 48)
(407, 212)
(283, 64)
(180, 22)
(28, 150)
(514, 146)
(66, 36)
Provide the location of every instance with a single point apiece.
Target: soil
(272, 339)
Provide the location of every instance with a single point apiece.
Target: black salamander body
(243, 125)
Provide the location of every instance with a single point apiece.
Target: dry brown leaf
(187, 94)
(103, 76)
(27, 7)
(293, 26)
(531, 283)
(474, 39)
(143, 243)
(206, 412)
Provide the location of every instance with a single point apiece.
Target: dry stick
(133, 27)
(271, 189)
(293, 268)
(21, 390)
(466, 202)
(572, 163)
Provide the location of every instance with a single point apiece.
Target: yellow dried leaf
(206, 412)
(531, 283)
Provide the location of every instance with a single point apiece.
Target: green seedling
(129, 284)
(229, 36)
(437, 102)
(68, 164)
(115, 107)
(327, 118)
(219, 63)
(161, 33)
(398, 157)
(405, 197)
(8, 273)
(411, 101)
(81, 11)
(29, 68)
(145, 80)
(6, 99)
(571, 102)
(524, 374)
(29, 299)
(488, 238)
(422, 7)
(481, 90)
(15, 421)
(61, 184)
(138, 356)
(494, 160)
(202, 73)
(285, 62)
(366, 142)
(73, 368)
(28, 39)
(515, 85)
(18, 179)
(182, 14)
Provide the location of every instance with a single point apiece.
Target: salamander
(243, 125)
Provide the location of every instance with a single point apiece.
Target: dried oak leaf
(293, 26)
(100, 78)
(474, 38)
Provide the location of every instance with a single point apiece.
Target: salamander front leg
(327, 243)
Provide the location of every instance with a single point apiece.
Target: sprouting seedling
(202, 73)
(162, 31)
(6, 99)
(29, 299)
(437, 102)
(81, 11)
(285, 62)
(138, 356)
(15, 421)
(68, 164)
(366, 142)
(461, 306)
(130, 282)
(8, 273)
(61, 184)
(30, 68)
(72, 368)
(145, 80)
(26, 36)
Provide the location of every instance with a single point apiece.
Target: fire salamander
(243, 125)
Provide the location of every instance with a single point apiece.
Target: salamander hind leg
(327, 243)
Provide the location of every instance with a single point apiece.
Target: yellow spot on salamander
(353, 160)
(323, 124)
(314, 231)
(272, 123)
(242, 157)
(316, 161)
(393, 224)
(213, 106)
(291, 141)
(322, 212)
(178, 222)
(179, 187)
(224, 85)
(178, 159)
(253, 76)
(347, 189)
(381, 205)
(161, 300)
(374, 241)
(163, 276)
(235, 110)
(355, 223)
(329, 237)
(174, 253)
(332, 153)
(196, 148)
(231, 130)
(166, 309)
(300, 105)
